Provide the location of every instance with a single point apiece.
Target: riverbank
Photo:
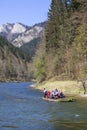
(67, 87)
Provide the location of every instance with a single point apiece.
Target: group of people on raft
(55, 94)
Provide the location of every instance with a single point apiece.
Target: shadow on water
(70, 125)
(9, 127)
(70, 116)
(22, 108)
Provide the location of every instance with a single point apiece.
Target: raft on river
(60, 99)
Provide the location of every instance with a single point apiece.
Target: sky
(28, 12)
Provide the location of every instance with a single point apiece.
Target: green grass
(69, 87)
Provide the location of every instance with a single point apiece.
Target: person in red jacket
(48, 94)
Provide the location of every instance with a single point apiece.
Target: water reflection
(70, 125)
(22, 108)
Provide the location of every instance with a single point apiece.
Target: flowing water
(22, 108)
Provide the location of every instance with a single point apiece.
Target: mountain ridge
(19, 34)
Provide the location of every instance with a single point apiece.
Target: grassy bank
(68, 87)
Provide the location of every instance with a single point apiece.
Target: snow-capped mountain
(18, 28)
(19, 34)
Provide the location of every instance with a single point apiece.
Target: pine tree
(55, 25)
(56, 35)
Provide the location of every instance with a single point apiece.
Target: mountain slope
(13, 65)
(31, 47)
(14, 50)
(19, 34)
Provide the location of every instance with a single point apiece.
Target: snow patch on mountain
(19, 34)
(27, 36)
(5, 28)
(18, 28)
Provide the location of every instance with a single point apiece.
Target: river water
(22, 108)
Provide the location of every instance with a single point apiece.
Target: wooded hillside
(13, 62)
(64, 53)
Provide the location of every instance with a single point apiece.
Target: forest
(62, 53)
(14, 63)
(62, 48)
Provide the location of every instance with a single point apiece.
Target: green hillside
(65, 46)
(31, 47)
(13, 62)
(14, 50)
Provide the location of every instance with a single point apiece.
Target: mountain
(18, 43)
(31, 47)
(19, 34)
(7, 48)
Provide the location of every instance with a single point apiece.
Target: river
(22, 108)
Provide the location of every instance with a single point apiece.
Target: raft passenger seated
(45, 93)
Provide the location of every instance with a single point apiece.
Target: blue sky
(28, 12)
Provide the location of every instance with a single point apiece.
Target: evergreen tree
(64, 28)
(55, 25)
(55, 34)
